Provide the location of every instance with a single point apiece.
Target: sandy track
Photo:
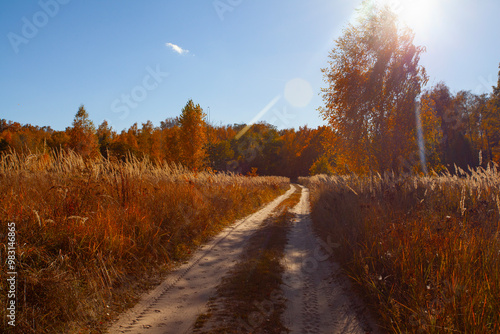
(318, 297)
(175, 304)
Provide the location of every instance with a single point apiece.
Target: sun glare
(419, 15)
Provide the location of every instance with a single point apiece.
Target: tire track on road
(174, 305)
(318, 297)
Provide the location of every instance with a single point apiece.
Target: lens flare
(420, 138)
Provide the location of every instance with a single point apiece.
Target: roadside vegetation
(93, 234)
(425, 251)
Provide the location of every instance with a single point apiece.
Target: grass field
(424, 250)
(91, 235)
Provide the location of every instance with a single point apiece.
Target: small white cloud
(177, 48)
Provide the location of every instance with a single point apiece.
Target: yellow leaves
(192, 135)
(82, 137)
(373, 79)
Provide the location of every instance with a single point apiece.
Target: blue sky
(235, 56)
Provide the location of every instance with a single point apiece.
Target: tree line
(380, 118)
(187, 139)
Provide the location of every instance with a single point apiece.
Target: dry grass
(425, 250)
(92, 234)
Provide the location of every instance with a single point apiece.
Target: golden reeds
(425, 250)
(90, 233)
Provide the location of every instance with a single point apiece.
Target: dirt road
(317, 300)
(172, 308)
(318, 296)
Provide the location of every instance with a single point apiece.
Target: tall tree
(432, 133)
(170, 143)
(373, 79)
(448, 124)
(105, 136)
(145, 140)
(82, 134)
(450, 120)
(192, 136)
(493, 122)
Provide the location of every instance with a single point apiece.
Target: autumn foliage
(383, 119)
(186, 140)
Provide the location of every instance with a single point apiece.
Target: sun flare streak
(420, 138)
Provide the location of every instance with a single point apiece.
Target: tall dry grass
(92, 234)
(425, 251)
